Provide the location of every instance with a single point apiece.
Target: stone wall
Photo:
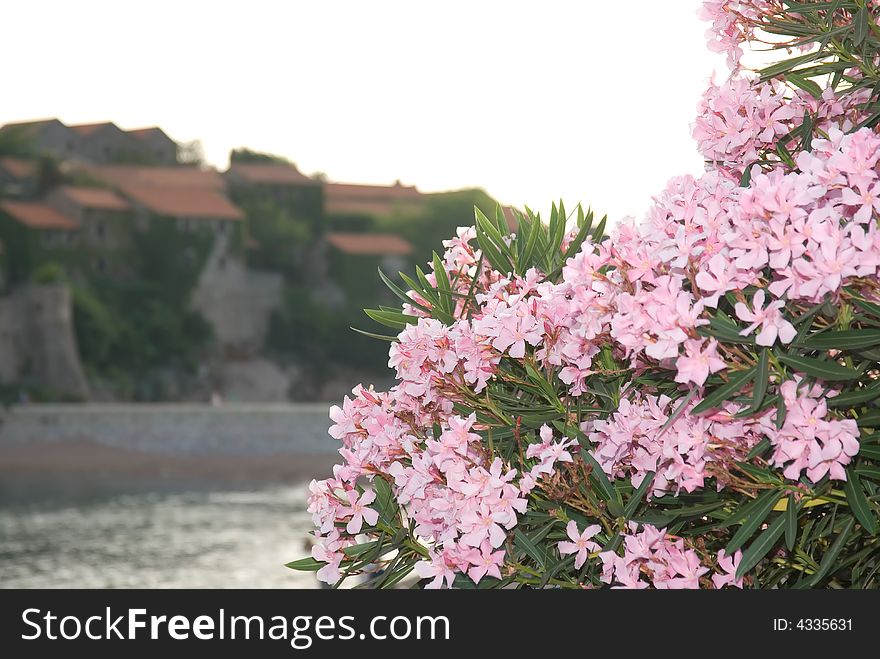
(175, 429)
(37, 340)
(236, 302)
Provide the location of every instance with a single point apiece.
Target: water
(189, 538)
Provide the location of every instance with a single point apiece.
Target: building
(352, 200)
(107, 143)
(97, 143)
(189, 208)
(352, 258)
(155, 145)
(254, 184)
(32, 234)
(19, 178)
(46, 137)
(104, 219)
(121, 176)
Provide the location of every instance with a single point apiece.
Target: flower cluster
(652, 558)
(545, 374)
(738, 120)
(808, 439)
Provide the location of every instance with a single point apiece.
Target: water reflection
(204, 538)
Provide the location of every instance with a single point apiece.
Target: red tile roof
(341, 198)
(19, 168)
(99, 198)
(28, 127)
(375, 244)
(84, 130)
(184, 202)
(142, 133)
(358, 191)
(171, 176)
(37, 215)
(270, 174)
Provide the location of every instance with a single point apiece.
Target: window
(100, 230)
(101, 264)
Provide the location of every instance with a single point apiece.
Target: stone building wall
(236, 302)
(37, 340)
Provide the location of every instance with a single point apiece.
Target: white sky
(590, 101)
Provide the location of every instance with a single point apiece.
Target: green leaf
(522, 541)
(373, 335)
(869, 472)
(679, 411)
(762, 377)
(787, 65)
(721, 327)
(393, 319)
(757, 513)
(791, 522)
(820, 368)
(385, 503)
(861, 26)
(828, 561)
(855, 397)
(737, 381)
(399, 292)
(871, 308)
(761, 546)
(633, 504)
(356, 551)
(306, 565)
(869, 419)
(842, 340)
(600, 479)
(809, 86)
(858, 502)
(758, 449)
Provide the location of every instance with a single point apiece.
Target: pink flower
(867, 199)
(729, 565)
(770, 320)
(484, 561)
(438, 568)
(360, 513)
(580, 542)
(699, 361)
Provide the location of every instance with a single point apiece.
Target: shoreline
(86, 462)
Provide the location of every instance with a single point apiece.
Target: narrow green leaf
(522, 541)
(821, 368)
(858, 502)
(600, 479)
(843, 340)
(869, 472)
(856, 397)
(809, 86)
(679, 411)
(373, 335)
(791, 522)
(758, 449)
(308, 564)
(633, 504)
(761, 546)
(861, 26)
(399, 292)
(726, 391)
(393, 319)
(762, 377)
(830, 558)
(753, 521)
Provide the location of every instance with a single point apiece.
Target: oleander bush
(689, 401)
